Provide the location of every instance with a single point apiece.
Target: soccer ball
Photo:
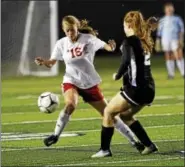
(48, 102)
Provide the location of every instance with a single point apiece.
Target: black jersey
(135, 65)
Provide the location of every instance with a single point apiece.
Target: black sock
(106, 136)
(141, 134)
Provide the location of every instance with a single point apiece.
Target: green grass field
(24, 127)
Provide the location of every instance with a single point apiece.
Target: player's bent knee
(107, 115)
(108, 120)
(108, 110)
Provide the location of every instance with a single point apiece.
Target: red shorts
(89, 95)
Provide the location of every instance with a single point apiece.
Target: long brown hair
(82, 25)
(142, 28)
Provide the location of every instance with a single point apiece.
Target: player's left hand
(112, 44)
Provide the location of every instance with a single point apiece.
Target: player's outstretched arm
(48, 63)
(110, 46)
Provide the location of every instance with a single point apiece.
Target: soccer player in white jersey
(171, 35)
(77, 50)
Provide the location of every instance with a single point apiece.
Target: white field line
(75, 146)
(88, 119)
(32, 136)
(154, 105)
(21, 136)
(168, 104)
(87, 109)
(29, 96)
(117, 162)
(162, 97)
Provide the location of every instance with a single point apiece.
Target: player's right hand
(39, 61)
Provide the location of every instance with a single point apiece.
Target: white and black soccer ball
(48, 102)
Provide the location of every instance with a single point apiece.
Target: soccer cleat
(101, 154)
(139, 146)
(50, 140)
(151, 149)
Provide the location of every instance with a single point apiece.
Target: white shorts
(169, 45)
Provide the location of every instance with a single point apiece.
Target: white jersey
(79, 58)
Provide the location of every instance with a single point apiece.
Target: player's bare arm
(48, 63)
(110, 46)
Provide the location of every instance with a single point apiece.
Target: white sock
(180, 65)
(124, 130)
(169, 68)
(62, 120)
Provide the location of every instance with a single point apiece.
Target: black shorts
(138, 96)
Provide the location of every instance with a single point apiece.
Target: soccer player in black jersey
(138, 85)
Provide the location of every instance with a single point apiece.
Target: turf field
(24, 127)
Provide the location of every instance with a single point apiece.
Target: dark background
(106, 15)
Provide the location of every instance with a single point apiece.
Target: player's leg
(95, 98)
(121, 103)
(114, 107)
(120, 126)
(71, 100)
(178, 54)
(138, 129)
(170, 64)
(166, 45)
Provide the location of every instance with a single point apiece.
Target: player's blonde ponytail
(82, 25)
(85, 28)
(142, 28)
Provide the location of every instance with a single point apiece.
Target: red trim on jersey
(89, 95)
